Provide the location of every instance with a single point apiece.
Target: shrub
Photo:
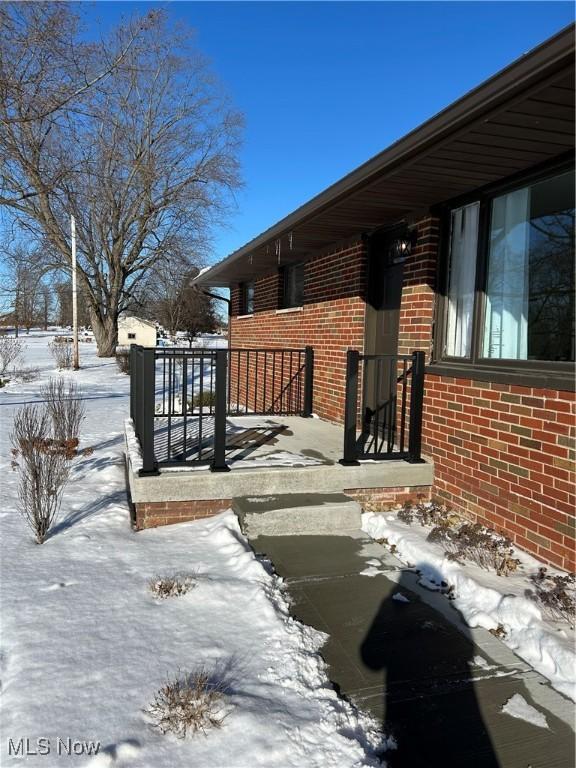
(188, 703)
(173, 585)
(475, 542)
(26, 375)
(11, 351)
(61, 352)
(426, 513)
(43, 469)
(123, 360)
(205, 400)
(556, 593)
(66, 410)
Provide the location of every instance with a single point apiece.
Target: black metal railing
(180, 398)
(383, 407)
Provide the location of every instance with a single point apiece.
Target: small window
(293, 286)
(247, 298)
(131, 335)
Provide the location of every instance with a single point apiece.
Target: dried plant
(188, 703)
(475, 542)
(123, 360)
(66, 409)
(173, 585)
(43, 469)
(427, 513)
(61, 352)
(28, 374)
(556, 592)
(11, 351)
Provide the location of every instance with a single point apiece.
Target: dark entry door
(385, 275)
(384, 295)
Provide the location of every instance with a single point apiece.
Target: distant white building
(134, 330)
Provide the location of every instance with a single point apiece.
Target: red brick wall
(504, 455)
(331, 320)
(417, 307)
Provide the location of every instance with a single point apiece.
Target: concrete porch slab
(269, 456)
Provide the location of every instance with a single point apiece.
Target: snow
(400, 598)
(85, 645)
(518, 707)
(486, 600)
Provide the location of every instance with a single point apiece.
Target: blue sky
(325, 85)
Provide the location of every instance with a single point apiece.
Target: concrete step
(294, 514)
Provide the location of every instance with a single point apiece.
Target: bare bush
(475, 542)
(11, 351)
(123, 360)
(427, 513)
(26, 375)
(66, 410)
(61, 352)
(172, 585)
(556, 592)
(43, 469)
(189, 703)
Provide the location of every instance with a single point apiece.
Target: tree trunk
(105, 333)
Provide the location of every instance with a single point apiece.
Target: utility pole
(75, 360)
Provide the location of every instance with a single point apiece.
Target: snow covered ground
(84, 645)
(487, 600)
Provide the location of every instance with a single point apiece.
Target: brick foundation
(155, 513)
(386, 498)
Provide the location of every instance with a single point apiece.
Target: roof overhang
(520, 117)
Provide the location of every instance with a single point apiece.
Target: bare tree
(63, 294)
(39, 61)
(150, 152)
(172, 300)
(22, 280)
(46, 293)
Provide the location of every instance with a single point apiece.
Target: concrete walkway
(435, 685)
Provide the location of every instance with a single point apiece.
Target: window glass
(293, 285)
(248, 298)
(529, 311)
(461, 280)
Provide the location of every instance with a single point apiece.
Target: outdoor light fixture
(402, 246)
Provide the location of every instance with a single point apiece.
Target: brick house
(456, 241)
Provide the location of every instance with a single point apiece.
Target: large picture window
(509, 290)
(530, 284)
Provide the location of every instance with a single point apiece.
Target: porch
(208, 426)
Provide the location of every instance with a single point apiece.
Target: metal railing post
(308, 382)
(220, 408)
(351, 407)
(132, 378)
(416, 406)
(147, 404)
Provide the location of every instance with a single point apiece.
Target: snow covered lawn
(487, 600)
(85, 646)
